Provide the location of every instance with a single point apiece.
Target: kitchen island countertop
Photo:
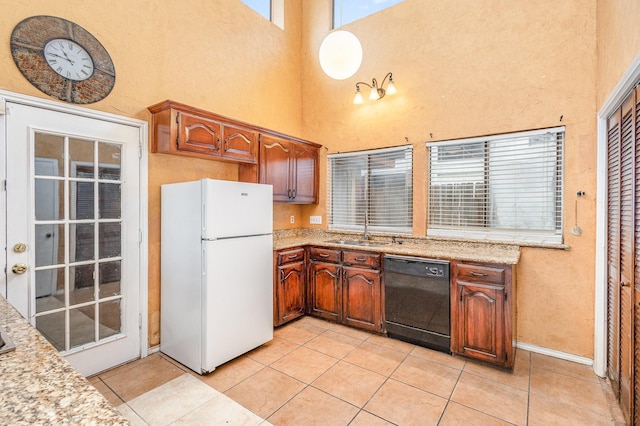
(38, 386)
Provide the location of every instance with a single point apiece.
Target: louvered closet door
(636, 291)
(627, 218)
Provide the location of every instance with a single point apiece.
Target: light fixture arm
(379, 89)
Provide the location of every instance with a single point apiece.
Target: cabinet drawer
(324, 254)
(481, 273)
(358, 258)
(290, 256)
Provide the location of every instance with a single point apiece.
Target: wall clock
(62, 59)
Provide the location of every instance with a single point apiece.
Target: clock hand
(61, 57)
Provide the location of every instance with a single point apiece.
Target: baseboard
(556, 354)
(154, 349)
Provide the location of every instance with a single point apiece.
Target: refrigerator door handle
(236, 237)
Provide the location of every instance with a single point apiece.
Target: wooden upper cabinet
(275, 166)
(291, 167)
(240, 143)
(198, 134)
(184, 130)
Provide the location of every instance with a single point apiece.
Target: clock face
(62, 59)
(68, 59)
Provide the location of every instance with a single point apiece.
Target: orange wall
(223, 57)
(466, 69)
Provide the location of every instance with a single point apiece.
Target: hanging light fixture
(340, 54)
(377, 91)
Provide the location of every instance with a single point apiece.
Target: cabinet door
(304, 174)
(361, 298)
(240, 144)
(275, 166)
(324, 290)
(480, 321)
(198, 134)
(290, 292)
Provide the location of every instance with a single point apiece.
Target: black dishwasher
(417, 301)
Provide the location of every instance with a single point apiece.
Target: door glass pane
(109, 240)
(109, 279)
(81, 283)
(110, 322)
(48, 199)
(82, 194)
(52, 327)
(83, 234)
(109, 195)
(49, 289)
(81, 158)
(49, 152)
(49, 242)
(82, 325)
(109, 161)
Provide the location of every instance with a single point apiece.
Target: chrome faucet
(366, 225)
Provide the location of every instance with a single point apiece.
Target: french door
(73, 232)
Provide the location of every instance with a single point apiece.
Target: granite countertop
(38, 386)
(410, 246)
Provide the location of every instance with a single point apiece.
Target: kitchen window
(272, 10)
(347, 11)
(505, 187)
(374, 185)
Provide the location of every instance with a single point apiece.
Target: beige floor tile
(304, 364)
(493, 398)
(318, 322)
(298, 332)
(106, 392)
(562, 366)
(119, 369)
(518, 378)
(131, 415)
(129, 383)
(314, 407)
(351, 383)
(353, 332)
(230, 374)
(367, 419)
(333, 344)
(439, 357)
(265, 392)
(405, 405)
(220, 410)
(375, 358)
(427, 375)
(396, 345)
(569, 390)
(459, 415)
(548, 412)
(272, 351)
(172, 400)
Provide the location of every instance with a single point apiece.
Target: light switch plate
(315, 220)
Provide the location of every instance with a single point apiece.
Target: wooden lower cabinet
(482, 314)
(361, 295)
(345, 287)
(289, 285)
(325, 296)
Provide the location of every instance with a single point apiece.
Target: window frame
(368, 189)
(335, 24)
(276, 12)
(488, 232)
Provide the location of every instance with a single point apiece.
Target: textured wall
(470, 68)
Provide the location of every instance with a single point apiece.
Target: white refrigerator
(216, 271)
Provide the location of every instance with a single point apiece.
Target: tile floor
(316, 372)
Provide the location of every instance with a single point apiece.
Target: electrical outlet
(292, 219)
(315, 220)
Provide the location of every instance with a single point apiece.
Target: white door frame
(143, 129)
(613, 102)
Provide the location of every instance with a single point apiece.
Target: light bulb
(373, 95)
(357, 99)
(391, 88)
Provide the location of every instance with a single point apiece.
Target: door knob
(20, 247)
(19, 268)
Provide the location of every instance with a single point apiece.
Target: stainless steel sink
(6, 345)
(356, 243)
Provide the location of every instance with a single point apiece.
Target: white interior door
(73, 233)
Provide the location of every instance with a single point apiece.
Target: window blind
(375, 185)
(505, 187)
